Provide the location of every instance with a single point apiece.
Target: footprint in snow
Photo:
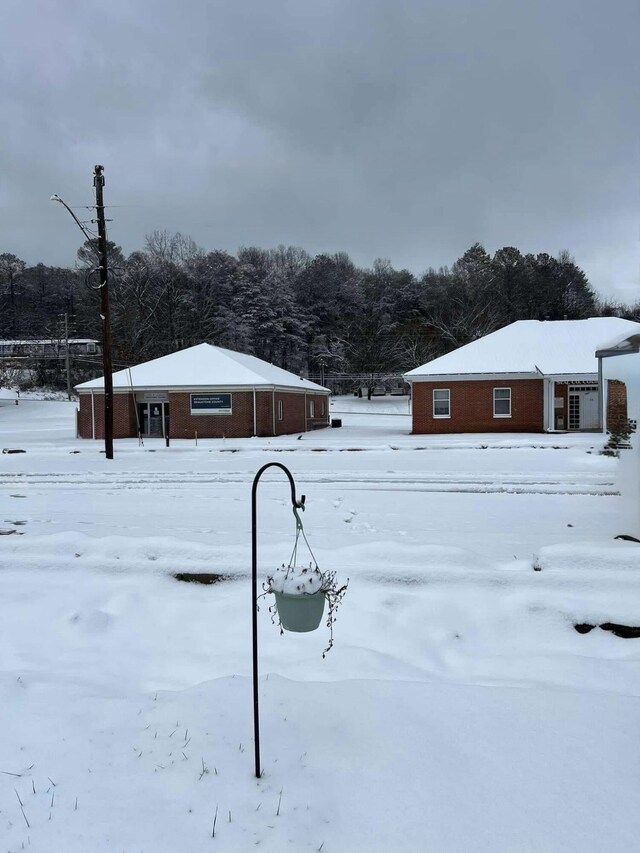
(92, 621)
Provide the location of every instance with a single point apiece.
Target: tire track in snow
(499, 483)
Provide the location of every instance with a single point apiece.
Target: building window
(312, 409)
(502, 402)
(322, 407)
(280, 410)
(91, 348)
(441, 403)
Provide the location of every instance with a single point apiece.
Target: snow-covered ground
(459, 710)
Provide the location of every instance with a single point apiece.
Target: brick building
(530, 376)
(204, 390)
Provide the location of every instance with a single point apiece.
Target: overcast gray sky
(404, 129)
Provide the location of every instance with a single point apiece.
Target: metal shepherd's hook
(296, 505)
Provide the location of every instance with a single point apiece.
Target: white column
(548, 416)
(626, 368)
(603, 387)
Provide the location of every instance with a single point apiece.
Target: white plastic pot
(300, 613)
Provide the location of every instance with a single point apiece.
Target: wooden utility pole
(66, 354)
(98, 183)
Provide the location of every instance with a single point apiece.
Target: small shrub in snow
(619, 436)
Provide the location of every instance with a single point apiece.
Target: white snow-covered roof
(534, 347)
(204, 366)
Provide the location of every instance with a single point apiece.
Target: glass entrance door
(583, 407)
(154, 419)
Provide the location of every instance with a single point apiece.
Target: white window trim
(312, 408)
(503, 398)
(280, 410)
(433, 402)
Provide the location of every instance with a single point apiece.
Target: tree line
(300, 312)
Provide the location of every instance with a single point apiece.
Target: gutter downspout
(273, 409)
(255, 415)
(93, 416)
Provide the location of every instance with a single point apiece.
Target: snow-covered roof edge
(205, 366)
(503, 377)
(528, 348)
(309, 387)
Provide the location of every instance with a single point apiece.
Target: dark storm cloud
(407, 130)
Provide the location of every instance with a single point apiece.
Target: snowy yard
(459, 709)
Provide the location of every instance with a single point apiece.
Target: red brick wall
(616, 402)
(321, 415)
(472, 406)
(124, 416)
(296, 407)
(84, 416)
(293, 413)
(239, 424)
(182, 424)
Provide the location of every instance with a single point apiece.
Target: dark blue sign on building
(211, 404)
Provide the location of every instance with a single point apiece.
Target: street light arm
(56, 197)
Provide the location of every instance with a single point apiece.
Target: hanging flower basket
(299, 596)
(301, 593)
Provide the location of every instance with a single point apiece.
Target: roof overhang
(504, 377)
(469, 377)
(626, 347)
(573, 377)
